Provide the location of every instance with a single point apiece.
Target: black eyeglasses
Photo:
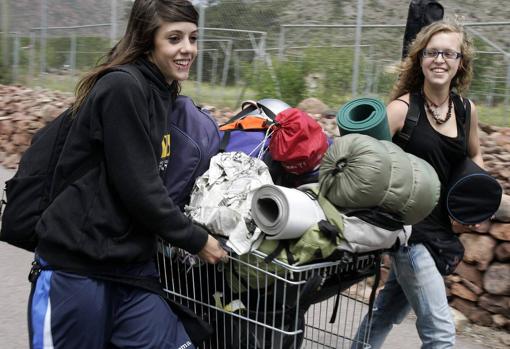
(447, 54)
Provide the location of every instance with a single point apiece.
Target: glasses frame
(425, 54)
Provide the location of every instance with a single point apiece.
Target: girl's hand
(213, 252)
(482, 227)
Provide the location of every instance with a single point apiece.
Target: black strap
(413, 115)
(328, 230)
(359, 274)
(401, 100)
(247, 111)
(282, 245)
(224, 141)
(371, 299)
(137, 74)
(226, 134)
(290, 257)
(306, 297)
(240, 115)
(467, 121)
(3, 202)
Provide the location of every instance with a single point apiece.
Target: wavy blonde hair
(411, 77)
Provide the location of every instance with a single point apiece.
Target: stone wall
(22, 112)
(480, 287)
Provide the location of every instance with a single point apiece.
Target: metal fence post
(357, 43)
(200, 58)
(72, 53)
(5, 33)
(15, 57)
(507, 90)
(31, 58)
(214, 68)
(281, 43)
(226, 63)
(44, 26)
(113, 21)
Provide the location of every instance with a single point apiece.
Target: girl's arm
(396, 112)
(474, 150)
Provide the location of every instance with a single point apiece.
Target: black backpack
(421, 13)
(32, 190)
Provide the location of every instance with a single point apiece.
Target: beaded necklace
(435, 112)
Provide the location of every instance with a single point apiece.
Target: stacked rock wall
(480, 286)
(23, 111)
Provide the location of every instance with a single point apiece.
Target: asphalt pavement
(15, 289)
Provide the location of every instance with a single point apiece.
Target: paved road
(15, 288)
(14, 291)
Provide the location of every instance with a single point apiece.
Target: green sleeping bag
(359, 171)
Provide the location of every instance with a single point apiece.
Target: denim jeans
(414, 282)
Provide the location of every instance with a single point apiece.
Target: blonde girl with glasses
(436, 72)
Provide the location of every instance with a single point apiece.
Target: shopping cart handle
(223, 244)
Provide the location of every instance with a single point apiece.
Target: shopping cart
(254, 304)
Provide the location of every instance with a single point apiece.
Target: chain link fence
(332, 50)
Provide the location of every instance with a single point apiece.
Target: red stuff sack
(298, 141)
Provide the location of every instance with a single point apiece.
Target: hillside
(24, 14)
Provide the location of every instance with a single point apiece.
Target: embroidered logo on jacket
(165, 152)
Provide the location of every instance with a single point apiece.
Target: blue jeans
(414, 282)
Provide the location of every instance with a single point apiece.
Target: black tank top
(443, 153)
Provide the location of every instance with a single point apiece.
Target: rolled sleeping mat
(473, 195)
(355, 172)
(414, 186)
(366, 116)
(284, 213)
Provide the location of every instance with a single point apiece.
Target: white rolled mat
(284, 213)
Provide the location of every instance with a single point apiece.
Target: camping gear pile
(282, 187)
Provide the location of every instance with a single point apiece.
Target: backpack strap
(377, 280)
(467, 120)
(225, 140)
(279, 248)
(247, 108)
(413, 115)
(401, 100)
(137, 74)
(464, 104)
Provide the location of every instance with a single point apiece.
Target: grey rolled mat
(284, 213)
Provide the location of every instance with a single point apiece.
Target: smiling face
(175, 49)
(438, 71)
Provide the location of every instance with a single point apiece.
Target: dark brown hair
(144, 20)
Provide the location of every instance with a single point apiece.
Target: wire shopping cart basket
(254, 304)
